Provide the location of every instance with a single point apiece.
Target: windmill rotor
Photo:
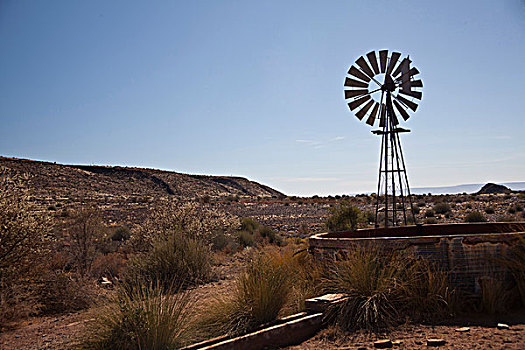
(384, 86)
(375, 74)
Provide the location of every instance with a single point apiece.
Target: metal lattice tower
(395, 92)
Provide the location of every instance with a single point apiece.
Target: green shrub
(122, 233)
(430, 221)
(249, 225)
(344, 217)
(475, 216)
(246, 239)
(512, 210)
(429, 213)
(442, 208)
(174, 262)
(489, 210)
(145, 318)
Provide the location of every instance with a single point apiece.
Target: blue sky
(255, 88)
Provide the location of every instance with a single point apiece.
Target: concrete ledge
(292, 330)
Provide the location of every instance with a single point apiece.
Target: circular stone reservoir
(469, 251)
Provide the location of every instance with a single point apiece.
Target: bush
(22, 243)
(176, 261)
(489, 210)
(430, 221)
(372, 281)
(249, 225)
(511, 210)
(261, 292)
(145, 318)
(344, 217)
(188, 219)
(475, 216)
(268, 234)
(246, 239)
(429, 213)
(122, 233)
(85, 234)
(109, 265)
(383, 285)
(442, 208)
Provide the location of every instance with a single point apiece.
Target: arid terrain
(126, 197)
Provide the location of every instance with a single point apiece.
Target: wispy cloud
(320, 143)
(306, 179)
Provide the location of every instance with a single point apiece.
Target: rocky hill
(90, 180)
(123, 193)
(491, 188)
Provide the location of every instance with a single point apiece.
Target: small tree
(345, 217)
(84, 234)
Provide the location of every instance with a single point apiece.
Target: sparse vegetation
(441, 208)
(475, 216)
(261, 293)
(344, 217)
(143, 317)
(175, 261)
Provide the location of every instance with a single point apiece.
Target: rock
(462, 330)
(397, 342)
(436, 342)
(383, 344)
(418, 342)
(503, 326)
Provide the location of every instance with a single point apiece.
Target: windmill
(383, 90)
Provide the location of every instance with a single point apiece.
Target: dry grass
(146, 318)
(384, 287)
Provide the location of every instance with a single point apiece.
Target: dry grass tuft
(145, 318)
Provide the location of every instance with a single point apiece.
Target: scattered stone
(503, 326)
(462, 329)
(436, 342)
(397, 342)
(418, 342)
(383, 344)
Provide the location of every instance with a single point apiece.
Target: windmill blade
(358, 74)
(355, 93)
(401, 110)
(383, 57)
(364, 66)
(393, 60)
(354, 104)
(404, 67)
(408, 103)
(416, 83)
(373, 61)
(408, 73)
(372, 118)
(382, 118)
(365, 109)
(415, 94)
(355, 83)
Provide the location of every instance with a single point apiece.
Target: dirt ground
(62, 332)
(416, 336)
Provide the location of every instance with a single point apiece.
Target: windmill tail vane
(385, 90)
